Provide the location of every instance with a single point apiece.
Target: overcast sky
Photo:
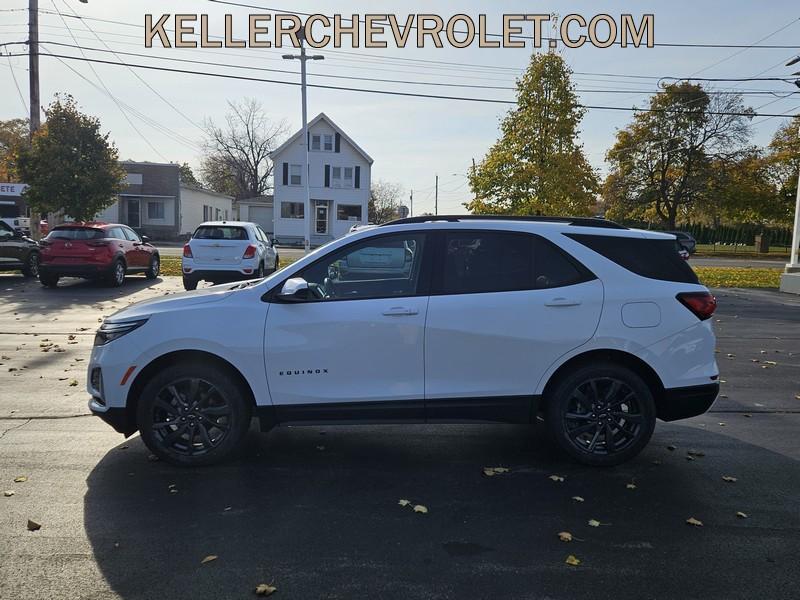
(411, 139)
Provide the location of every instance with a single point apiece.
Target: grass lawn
(740, 251)
(738, 277)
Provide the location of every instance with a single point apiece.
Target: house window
(294, 175)
(155, 210)
(348, 177)
(315, 142)
(348, 212)
(336, 177)
(328, 140)
(292, 210)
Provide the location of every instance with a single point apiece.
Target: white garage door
(263, 216)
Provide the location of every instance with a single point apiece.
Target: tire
(193, 414)
(116, 276)
(189, 283)
(601, 414)
(155, 267)
(49, 280)
(277, 265)
(260, 272)
(31, 268)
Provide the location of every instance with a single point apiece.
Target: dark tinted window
(553, 268)
(655, 259)
(76, 233)
(220, 232)
(486, 261)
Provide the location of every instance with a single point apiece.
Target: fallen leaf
(631, 486)
(594, 523)
(577, 499)
(671, 448)
(73, 383)
(33, 526)
(208, 559)
(770, 362)
(419, 508)
(721, 424)
(263, 589)
(741, 515)
(492, 471)
(689, 457)
(320, 448)
(20, 479)
(404, 502)
(695, 453)
(71, 337)
(558, 478)
(571, 560)
(656, 462)
(8, 493)
(729, 479)
(565, 536)
(731, 356)
(748, 415)
(693, 521)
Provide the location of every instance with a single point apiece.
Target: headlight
(108, 332)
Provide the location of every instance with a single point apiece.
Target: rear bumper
(87, 271)
(685, 402)
(219, 276)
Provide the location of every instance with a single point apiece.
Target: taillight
(187, 251)
(250, 252)
(702, 304)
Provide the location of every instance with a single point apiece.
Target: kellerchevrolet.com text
(268, 30)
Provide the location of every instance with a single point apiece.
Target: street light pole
(790, 280)
(303, 57)
(33, 64)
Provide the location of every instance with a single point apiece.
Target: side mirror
(145, 239)
(294, 290)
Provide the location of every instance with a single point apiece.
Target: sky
(411, 139)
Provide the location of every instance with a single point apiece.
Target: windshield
(220, 232)
(76, 233)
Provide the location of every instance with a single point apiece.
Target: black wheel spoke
(221, 426)
(578, 416)
(593, 443)
(582, 429)
(215, 411)
(206, 439)
(174, 436)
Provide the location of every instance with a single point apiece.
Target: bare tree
(236, 154)
(384, 201)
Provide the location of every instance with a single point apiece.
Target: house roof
(266, 199)
(313, 122)
(203, 190)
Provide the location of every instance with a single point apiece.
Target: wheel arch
(620, 357)
(173, 358)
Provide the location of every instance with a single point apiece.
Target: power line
(373, 91)
(16, 84)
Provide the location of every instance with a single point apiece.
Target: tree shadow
(315, 512)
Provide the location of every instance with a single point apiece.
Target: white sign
(12, 189)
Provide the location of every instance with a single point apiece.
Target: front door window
(322, 218)
(133, 212)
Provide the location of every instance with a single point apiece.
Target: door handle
(399, 311)
(560, 301)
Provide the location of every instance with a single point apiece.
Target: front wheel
(155, 268)
(601, 415)
(49, 280)
(193, 414)
(31, 268)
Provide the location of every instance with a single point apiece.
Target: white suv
(600, 328)
(221, 251)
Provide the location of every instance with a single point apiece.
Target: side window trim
(430, 250)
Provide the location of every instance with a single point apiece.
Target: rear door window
(651, 258)
(131, 235)
(220, 232)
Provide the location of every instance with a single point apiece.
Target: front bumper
(119, 418)
(685, 402)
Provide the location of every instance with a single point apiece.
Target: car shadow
(315, 512)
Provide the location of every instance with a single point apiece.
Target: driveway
(314, 510)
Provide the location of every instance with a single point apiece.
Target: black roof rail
(577, 221)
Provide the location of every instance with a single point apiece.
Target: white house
(339, 180)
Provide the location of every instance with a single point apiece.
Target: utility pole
(33, 63)
(436, 197)
(411, 201)
(307, 211)
(790, 279)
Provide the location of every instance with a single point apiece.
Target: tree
(70, 166)
(13, 135)
(236, 154)
(384, 201)
(783, 162)
(662, 162)
(187, 175)
(538, 165)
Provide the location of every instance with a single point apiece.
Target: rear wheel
(602, 414)
(189, 283)
(31, 268)
(49, 279)
(277, 265)
(260, 272)
(116, 277)
(193, 414)
(155, 267)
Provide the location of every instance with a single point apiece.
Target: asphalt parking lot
(314, 510)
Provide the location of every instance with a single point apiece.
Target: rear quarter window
(651, 258)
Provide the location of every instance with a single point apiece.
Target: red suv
(96, 251)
